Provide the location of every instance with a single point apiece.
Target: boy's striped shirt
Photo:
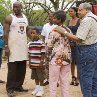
(36, 49)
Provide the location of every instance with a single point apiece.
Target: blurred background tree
(5, 9)
(35, 10)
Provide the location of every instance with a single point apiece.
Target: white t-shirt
(47, 28)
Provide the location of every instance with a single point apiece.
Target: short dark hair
(36, 29)
(60, 15)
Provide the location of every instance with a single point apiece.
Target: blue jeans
(87, 69)
(1, 50)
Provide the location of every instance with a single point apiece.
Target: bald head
(17, 3)
(17, 8)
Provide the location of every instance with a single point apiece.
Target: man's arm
(64, 32)
(7, 24)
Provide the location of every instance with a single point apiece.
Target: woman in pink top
(59, 58)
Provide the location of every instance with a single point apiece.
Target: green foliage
(5, 9)
(35, 16)
(39, 17)
(2, 13)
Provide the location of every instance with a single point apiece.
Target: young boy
(36, 61)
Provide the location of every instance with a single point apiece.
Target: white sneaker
(40, 93)
(35, 91)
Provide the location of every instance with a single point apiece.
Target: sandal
(73, 79)
(76, 82)
(46, 83)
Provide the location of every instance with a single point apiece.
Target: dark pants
(16, 74)
(87, 68)
(1, 50)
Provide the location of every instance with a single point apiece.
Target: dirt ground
(29, 84)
